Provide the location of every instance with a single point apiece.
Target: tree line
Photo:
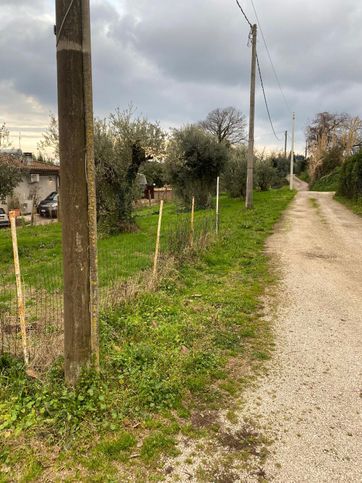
(189, 158)
(334, 142)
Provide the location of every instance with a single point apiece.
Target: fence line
(128, 263)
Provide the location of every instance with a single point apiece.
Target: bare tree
(5, 142)
(227, 125)
(48, 147)
(331, 137)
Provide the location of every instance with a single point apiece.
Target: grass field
(192, 345)
(119, 256)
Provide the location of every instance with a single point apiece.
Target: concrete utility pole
(291, 181)
(250, 172)
(77, 173)
(285, 144)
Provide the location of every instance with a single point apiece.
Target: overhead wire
(270, 58)
(259, 68)
(265, 99)
(243, 12)
(63, 22)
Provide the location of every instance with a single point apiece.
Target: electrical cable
(63, 21)
(242, 11)
(265, 99)
(270, 59)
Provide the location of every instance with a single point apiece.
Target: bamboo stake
(192, 230)
(19, 288)
(157, 250)
(217, 203)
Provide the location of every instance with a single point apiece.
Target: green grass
(304, 176)
(120, 256)
(354, 205)
(189, 346)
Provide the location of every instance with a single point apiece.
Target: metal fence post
(19, 288)
(157, 250)
(217, 203)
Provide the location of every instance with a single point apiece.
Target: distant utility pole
(285, 144)
(291, 181)
(77, 189)
(250, 172)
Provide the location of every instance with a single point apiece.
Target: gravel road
(311, 399)
(308, 404)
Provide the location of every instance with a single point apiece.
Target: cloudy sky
(177, 60)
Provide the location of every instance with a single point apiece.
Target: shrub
(194, 160)
(265, 174)
(329, 162)
(234, 176)
(350, 184)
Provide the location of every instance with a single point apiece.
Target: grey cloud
(178, 60)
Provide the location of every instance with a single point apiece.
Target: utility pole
(291, 181)
(250, 171)
(285, 144)
(77, 189)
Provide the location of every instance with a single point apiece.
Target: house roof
(34, 167)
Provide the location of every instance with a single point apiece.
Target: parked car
(49, 206)
(4, 219)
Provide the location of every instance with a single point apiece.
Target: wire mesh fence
(126, 265)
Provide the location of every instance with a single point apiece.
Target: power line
(242, 11)
(270, 59)
(265, 99)
(63, 21)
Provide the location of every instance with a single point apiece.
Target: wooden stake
(19, 288)
(217, 203)
(192, 229)
(157, 250)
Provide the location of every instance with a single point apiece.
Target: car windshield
(52, 196)
(2, 212)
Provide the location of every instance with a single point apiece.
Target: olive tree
(123, 143)
(194, 159)
(10, 177)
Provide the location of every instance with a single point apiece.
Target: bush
(234, 176)
(329, 162)
(330, 182)
(265, 174)
(194, 160)
(350, 183)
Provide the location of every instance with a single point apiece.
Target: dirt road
(311, 400)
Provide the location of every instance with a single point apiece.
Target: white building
(39, 180)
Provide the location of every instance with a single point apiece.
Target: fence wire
(125, 269)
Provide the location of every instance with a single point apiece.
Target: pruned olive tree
(194, 159)
(123, 143)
